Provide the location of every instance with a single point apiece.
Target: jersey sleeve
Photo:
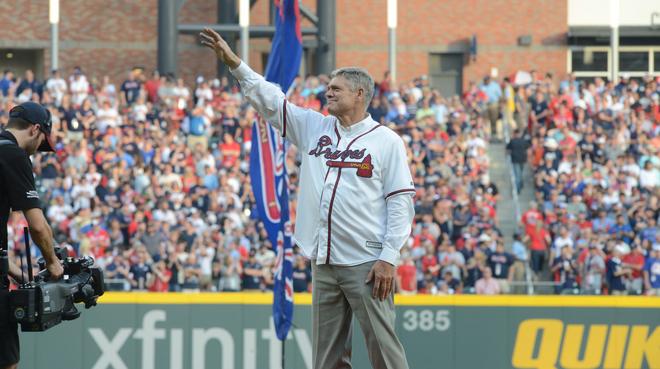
(294, 123)
(19, 182)
(396, 172)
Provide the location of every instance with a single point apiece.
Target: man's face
(341, 97)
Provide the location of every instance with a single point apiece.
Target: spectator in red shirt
(423, 236)
(407, 276)
(430, 261)
(152, 86)
(384, 86)
(635, 262)
(531, 217)
(567, 145)
(99, 240)
(538, 240)
(583, 222)
(159, 279)
(230, 150)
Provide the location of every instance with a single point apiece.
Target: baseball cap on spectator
(623, 248)
(36, 114)
(551, 143)
(484, 238)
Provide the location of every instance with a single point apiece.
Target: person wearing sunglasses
(28, 131)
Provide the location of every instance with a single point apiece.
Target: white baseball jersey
(355, 200)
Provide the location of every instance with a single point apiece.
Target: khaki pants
(519, 270)
(493, 117)
(195, 140)
(338, 292)
(504, 286)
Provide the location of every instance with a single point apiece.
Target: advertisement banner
(232, 331)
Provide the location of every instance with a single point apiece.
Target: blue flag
(267, 169)
(286, 52)
(270, 187)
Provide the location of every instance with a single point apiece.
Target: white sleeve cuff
(389, 255)
(243, 70)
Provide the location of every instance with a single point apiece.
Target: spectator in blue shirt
(622, 230)
(29, 82)
(302, 276)
(652, 272)
(650, 232)
(197, 126)
(493, 91)
(602, 223)
(6, 82)
(140, 271)
(130, 89)
(211, 179)
(616, 273)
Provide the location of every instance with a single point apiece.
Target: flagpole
(244, 21)
(283, 342)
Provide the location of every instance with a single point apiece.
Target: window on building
(656, 61)
(634, 61)
(588, 61)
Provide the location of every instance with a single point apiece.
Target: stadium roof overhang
(600, 35)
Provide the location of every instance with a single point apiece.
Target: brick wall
(108, 37)
(429, 26)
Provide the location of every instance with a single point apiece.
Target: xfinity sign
(152, 340)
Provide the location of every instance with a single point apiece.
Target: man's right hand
(214, 41)
(55, 270)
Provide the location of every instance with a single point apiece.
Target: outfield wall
(232, 331)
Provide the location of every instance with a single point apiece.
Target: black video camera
(41, 304)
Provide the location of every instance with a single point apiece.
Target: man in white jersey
(355, 208)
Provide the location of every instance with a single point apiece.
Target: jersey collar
(357, 128)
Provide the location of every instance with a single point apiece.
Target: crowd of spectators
(593, 151)
(150, 177)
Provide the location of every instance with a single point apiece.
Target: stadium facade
(452, 42)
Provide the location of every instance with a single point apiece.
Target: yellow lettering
(593, 351)
(523, 351)
(616, 345)
(642, 344)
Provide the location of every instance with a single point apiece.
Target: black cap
(36, 114)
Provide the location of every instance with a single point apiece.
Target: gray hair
(358, 78)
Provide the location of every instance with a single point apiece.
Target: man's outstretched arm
(267, 98)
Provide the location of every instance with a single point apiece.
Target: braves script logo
(323, 148)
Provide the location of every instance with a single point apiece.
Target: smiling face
(342, 97)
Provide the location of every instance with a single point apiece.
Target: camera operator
(27, 131)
